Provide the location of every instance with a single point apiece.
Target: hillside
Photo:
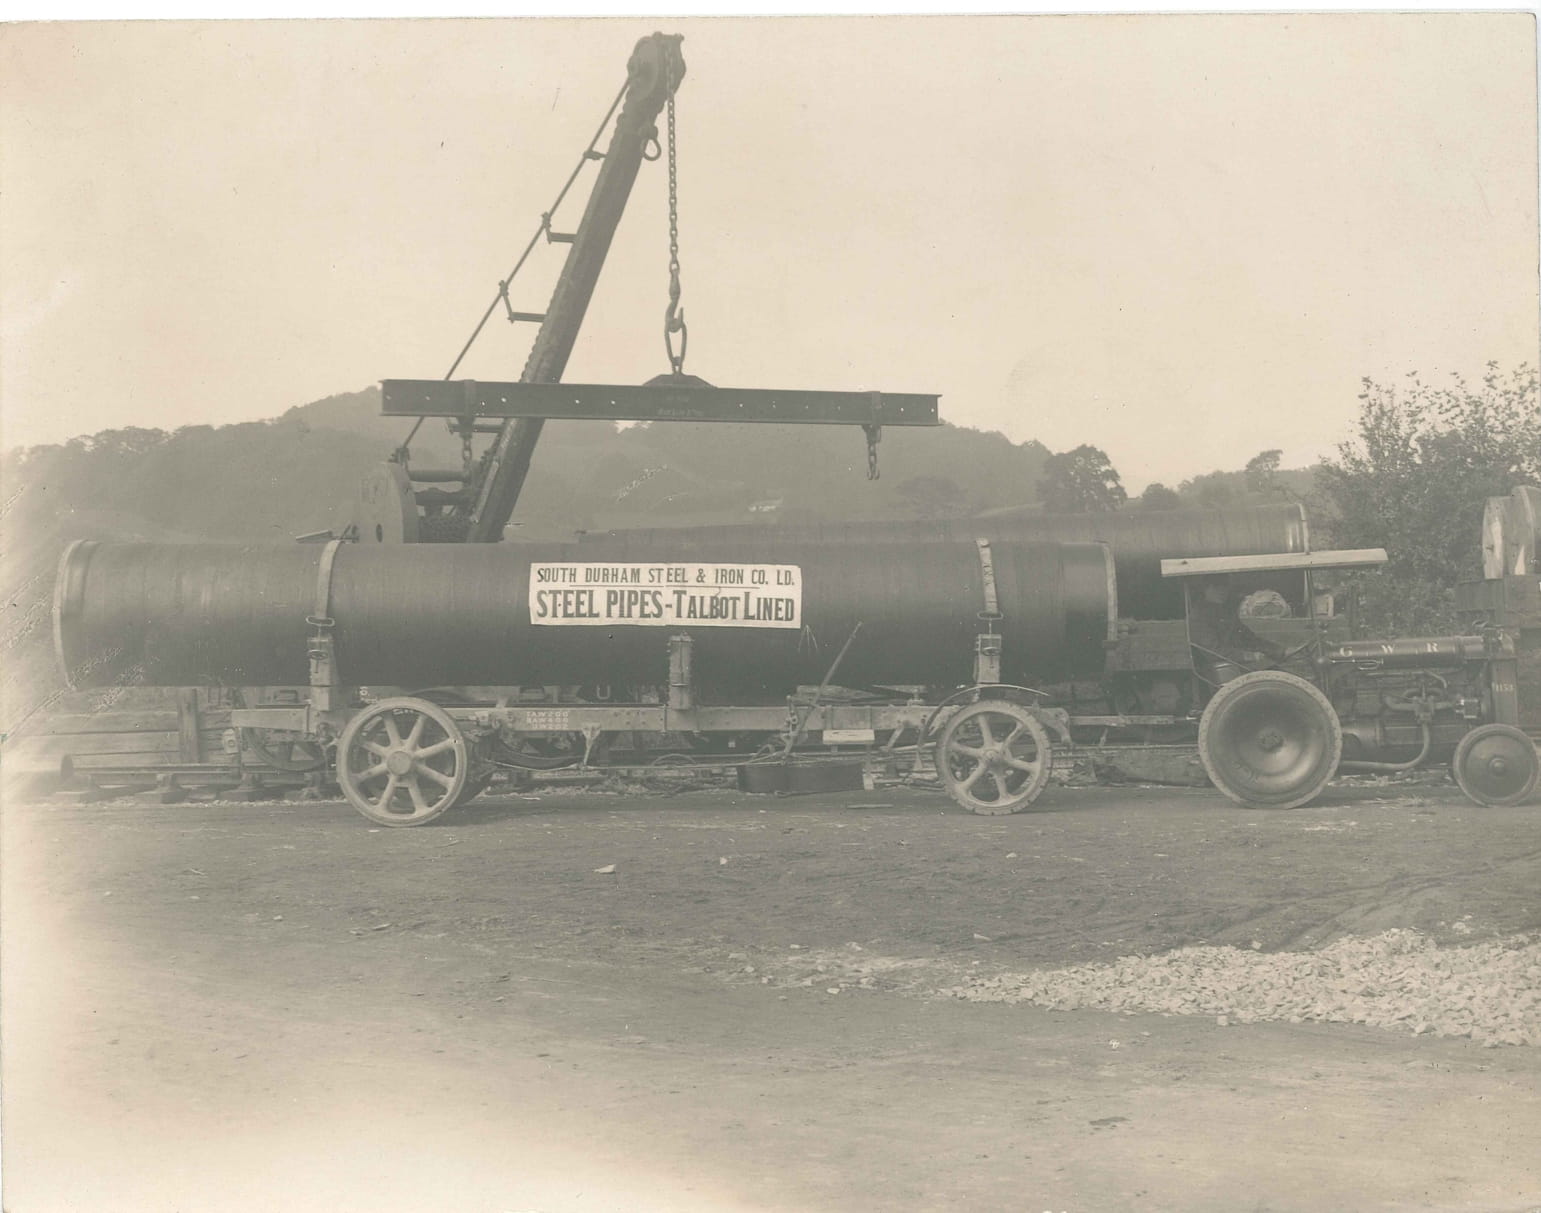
(592, 476)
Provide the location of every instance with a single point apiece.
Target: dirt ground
(277, 1006)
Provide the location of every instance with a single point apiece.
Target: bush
(1416, 479)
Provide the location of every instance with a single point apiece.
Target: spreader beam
(471, 399)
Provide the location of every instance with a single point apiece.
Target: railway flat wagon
(713, 648)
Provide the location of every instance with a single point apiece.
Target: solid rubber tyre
(1497, 764)
(1270, 740)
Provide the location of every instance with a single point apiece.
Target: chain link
(674, 318)
(874, 436)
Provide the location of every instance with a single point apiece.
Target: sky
(1182, 239)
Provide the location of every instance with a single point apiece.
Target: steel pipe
(1140, 539)
(427, 615)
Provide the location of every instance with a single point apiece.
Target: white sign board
(667, 595)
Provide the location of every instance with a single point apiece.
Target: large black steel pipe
(1140, 539)
(424, 615)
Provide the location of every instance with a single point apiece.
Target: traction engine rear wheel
(1496, 764)
(403, 762)
(994, 758)
(1270, 740)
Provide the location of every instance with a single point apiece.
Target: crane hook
(674, 322)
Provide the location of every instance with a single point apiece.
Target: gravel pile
(1399, 979)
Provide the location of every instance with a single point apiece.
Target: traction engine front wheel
(1497, 764)
(403, 762)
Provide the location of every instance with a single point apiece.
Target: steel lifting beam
(469, 400)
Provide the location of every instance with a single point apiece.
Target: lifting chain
(874, 436)
(674, 318)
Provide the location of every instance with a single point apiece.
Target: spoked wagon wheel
(281, 749)
(670, 773)
(284, 751)
(473, 788)
(1497, 764)
(994, 758)
(402, 762)
(1270, 740)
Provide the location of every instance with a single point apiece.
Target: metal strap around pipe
(323, 669)
(992, 609)
(323, 618)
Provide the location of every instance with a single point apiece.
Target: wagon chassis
(1025, 740)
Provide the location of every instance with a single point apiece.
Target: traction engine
(1274, 732)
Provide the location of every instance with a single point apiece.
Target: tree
(1212, 490)
(1261, 470)
(1080, 480)
(1415, 481)
(1158, 497)
(130, 440)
